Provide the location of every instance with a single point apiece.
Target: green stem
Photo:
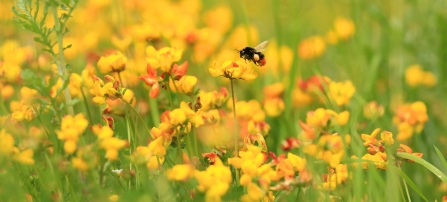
(236, 144)
(86, 106)
(406, 187)
(170, 98)
(179, 148)
(60, 26)
(138, 114)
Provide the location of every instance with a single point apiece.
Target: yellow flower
(300, 98)
(87, 75)
(163, 58)
(429, 79)
(318, 118)
(410, 118)
(114, 197)
(274, 106)
(233, 70)
(181, 172)
(373, 109)
(371, 139)
(344, 28)
(114, 62)
(24, 157)
(387, 137)
(341, 92)
(10, 71)
(71, 129)
(184, 85)
(415, 76)
(6, 143)
(75, 85)
(378, 159)
(79, 164)
(26, 112)
(342, 118)
(215, 181)
(156, 147)
(118, 106)
(112, 145)
(6, 91)
(311, 48)
(178, 116)
(219, 18)
(241, 34)
(213, 100)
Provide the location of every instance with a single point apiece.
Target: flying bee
(254, 54)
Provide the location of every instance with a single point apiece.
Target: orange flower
(151, 79)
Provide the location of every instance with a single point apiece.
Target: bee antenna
(237, 50)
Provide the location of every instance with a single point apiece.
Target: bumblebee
(254, 54)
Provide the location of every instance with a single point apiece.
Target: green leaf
(424, 163)
(410, 183)
(444, 162)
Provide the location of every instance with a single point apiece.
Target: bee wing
(261, 47)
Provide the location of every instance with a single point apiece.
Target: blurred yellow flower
(180, 172)
(241, 34)
(274, 106)
(71, 128)
(6, 91)
(114, 198)
(341, 92)
(75, 85)
(112, 145)
(6, 143)
(410, 118)
(27, 112)
(163, 58)
(114, 62)
(24, 157)
(344, 28)
(415, 76)
(79, 164)
(311, 47)
(233, 70)
(10, 71)
(373, 109)
(300, 98)
(214, 181)
(219, 18)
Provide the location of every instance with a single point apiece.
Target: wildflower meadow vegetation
(134, 100)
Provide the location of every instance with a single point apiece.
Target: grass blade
(410, 183)
(444, 162)
(424, 163)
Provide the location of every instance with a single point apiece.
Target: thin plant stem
(235, 128)
(179, 148)
(406, 187)
(170, 98)
(138, 114)
(60, 26)
(86, 106)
